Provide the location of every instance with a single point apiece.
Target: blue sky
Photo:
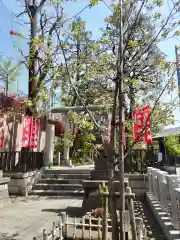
(94, 18)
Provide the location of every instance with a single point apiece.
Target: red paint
(141, 116)
(27, 126)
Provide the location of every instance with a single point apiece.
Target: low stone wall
(21, 183)
(92, 199)
(163, 198)
(162, 217)
(138, 182)
(4, 194)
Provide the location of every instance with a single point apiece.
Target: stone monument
(138, 182)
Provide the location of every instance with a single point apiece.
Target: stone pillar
(49, 145)
(163, 189)
(150, 184)
(173, 183)
(66, 161)
(176, 206)
(155, 183)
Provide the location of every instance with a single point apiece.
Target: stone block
(173, 188)
(21, 183)
(155, 182)
(4, 193)
(176, 208)
(138, 182)
(164, 195)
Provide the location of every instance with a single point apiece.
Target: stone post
(155, 183)
(49, 145)
(150, 184)
(176, 217)
(163, 189)
(173, 183)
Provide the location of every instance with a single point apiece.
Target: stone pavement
(28, 216)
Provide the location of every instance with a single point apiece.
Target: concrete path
(28, 216)
(87, 166)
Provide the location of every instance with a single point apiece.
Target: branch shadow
(6, 236)
(70, 211)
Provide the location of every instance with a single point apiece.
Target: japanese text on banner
(27, 125)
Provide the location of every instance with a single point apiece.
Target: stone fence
(164, 189)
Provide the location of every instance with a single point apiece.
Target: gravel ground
(28, 216)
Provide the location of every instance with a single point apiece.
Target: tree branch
(41, 4)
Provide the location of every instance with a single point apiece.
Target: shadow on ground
(71, 211)
(6, 236)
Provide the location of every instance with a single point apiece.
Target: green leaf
(177, 33)
(133, 44)
(158, 3)
(92, 3)
(157, 15)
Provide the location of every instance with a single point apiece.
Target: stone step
(44, 186)
(68, 171)
(57, 193)
(66, 176)
(60, 181)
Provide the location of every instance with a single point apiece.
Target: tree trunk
(32, 84)
(78, 47)
(120, 79)
(129, 158)
(115, 234)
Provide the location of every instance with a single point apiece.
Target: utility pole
(120, 79)
(177, 48)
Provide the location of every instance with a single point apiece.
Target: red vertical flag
(147, 121)
(34, 134)
(27, 126)
(141, 116)
(138, 124)
(2, 131)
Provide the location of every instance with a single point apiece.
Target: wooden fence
(20, 161)
(97, 227)
(85, 228)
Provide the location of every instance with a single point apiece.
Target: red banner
(26, 135)
(30, 133)
(141, 116)
(34, 134)
(2, 131)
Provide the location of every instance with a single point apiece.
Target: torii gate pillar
(66, 161)
(49, 145)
